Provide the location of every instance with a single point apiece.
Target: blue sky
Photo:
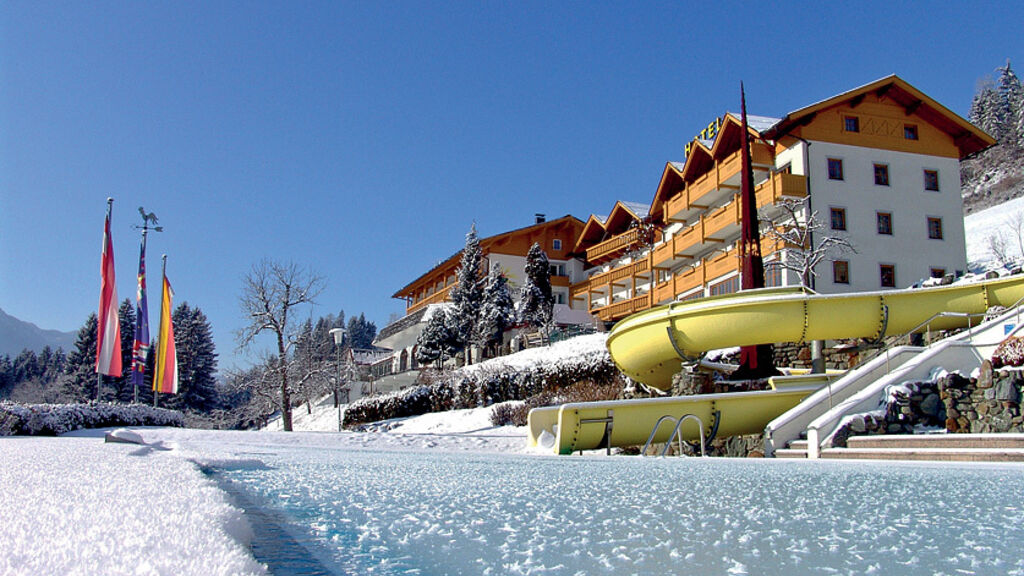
(361, 139)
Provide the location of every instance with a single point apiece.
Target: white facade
(905, 202)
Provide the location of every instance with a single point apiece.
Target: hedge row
(54, 419)
(482, 386)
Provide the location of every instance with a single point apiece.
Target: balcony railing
(434, 298)
(613, 247)
(779, 186)
(706, 190)
(625, 308)
(725, 218)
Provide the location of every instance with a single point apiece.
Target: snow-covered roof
(640, 209)
(678, 165)
(759, 123)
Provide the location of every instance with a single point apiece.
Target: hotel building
(878, 165)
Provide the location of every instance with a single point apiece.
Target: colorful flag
(108, 337)
(165, 379)
(140, 348)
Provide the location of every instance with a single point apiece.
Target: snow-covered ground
(79, 505)
(999, 220)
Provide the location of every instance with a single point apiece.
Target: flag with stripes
(165, 378)
(108, 337)
(140, 348)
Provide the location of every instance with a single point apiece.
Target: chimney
(540, 218)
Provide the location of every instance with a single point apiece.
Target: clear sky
(361, 139)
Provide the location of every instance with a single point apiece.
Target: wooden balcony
(434, 298)
(665, 291)
(689, 279)
(620, 310)
(722, 180)
(723, 222)
(560, 281)
(722, 264)
(780, 186)
(613, 247)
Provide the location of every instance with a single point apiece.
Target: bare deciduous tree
(270, 293)
(800, 232)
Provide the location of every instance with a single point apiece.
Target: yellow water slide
(649, 346)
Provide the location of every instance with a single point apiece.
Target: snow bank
(79, 506)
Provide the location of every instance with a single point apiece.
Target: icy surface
(446, 513)
(82, 506)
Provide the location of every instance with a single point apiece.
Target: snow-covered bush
(1009, 353)
(54, 419)
(516, 377)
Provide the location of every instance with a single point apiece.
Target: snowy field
(444, 495)
(997, 220)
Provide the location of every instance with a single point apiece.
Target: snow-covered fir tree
(536, 304)
(197, 360)
(467, 294)
(437, 342)
(360, 333)
(122, 387)
(79, 381)
(994, 175)
(497, 311)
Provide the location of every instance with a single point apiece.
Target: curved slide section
(593, 425)
(647, 346)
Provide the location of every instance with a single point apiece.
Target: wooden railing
(434, 298)
(728, 215)
(780, 185)
(625, 308)
(721, 264)
(613, 246)
(693, 195)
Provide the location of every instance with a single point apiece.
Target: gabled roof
(968, 138)
(485, 246)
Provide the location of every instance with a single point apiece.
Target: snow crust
(980, 225)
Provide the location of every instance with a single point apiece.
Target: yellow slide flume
(647, 346)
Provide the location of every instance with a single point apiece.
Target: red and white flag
(108, 336)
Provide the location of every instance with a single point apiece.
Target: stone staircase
(931, 447)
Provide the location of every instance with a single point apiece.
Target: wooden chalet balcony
(613, 247)
(434, 298)
(560, 281)
(689, 279)
(708, 190)
(622, 309)
(723, 222)
(780, 186)
(722, 264)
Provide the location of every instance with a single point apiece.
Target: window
(935, 228)
(910, 131)
(559, 298)
(840, 272)
(851, 124)
(835, 169)
(772, 276)
(931, 180)
(887, 275)
(556, 269)
(884, 222)
(556, 244)
(838, 218)
(882, 174)
(726, 287)
(937, 272)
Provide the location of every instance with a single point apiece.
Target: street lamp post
(339, 338)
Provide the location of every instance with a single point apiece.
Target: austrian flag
(108, 337)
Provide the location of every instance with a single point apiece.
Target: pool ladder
(678, 435)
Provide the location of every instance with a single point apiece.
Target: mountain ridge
(17, 335)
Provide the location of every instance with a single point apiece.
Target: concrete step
(959, 441)
(790, 453)
(929, 454)
(798, 445)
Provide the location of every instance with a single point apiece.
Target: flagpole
(106, 241)
(142, 257)
(163, 282)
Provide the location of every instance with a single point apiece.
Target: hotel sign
(707, 133)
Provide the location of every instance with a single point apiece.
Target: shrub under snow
(54, 419)
(514, 377)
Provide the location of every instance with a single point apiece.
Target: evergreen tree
(467, 294)
(6, 375)
(360, 333)
(122, 387)
(536, 303)
(1011, 100)
(197, 360)
(79, 381)
(497, 311)
(437, 342)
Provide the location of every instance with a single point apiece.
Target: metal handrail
(676, 433)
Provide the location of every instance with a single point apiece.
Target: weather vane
(146, 219)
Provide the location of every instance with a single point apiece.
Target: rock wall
(988, 404)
